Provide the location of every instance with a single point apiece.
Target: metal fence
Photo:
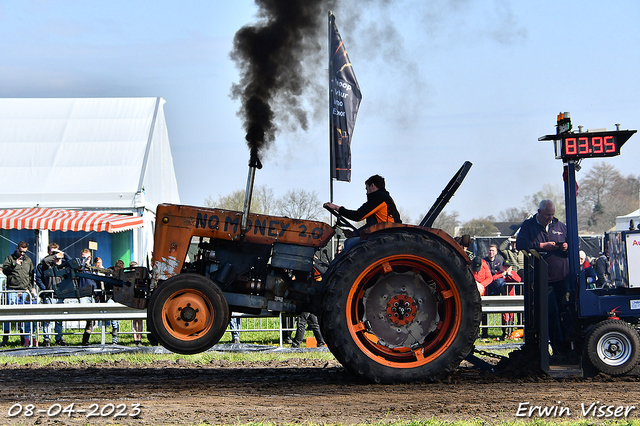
(73, 314)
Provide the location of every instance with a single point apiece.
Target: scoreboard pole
(571, 209)
(570, 201)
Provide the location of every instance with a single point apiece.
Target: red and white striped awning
(67, 220)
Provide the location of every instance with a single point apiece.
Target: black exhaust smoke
(270, 57)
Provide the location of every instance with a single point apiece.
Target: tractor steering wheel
(340, 220)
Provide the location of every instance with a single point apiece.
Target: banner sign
(344, 101)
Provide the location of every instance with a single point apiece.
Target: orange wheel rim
(187, 314)
(429, 346)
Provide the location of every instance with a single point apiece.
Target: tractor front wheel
(612, 347)
(188, 314)
(401, 307)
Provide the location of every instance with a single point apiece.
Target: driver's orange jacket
(379, 207)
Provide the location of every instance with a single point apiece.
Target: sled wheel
(188, 314)
(612, 347)
(401, 307)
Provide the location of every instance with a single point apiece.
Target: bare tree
(481, 227)
(266, 199)
(300, 204)
(554, 193)
(447, 222)
(262, 200)
(513, 214)
(404, 215)
(603, 195)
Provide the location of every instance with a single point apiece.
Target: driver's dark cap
(476, 263)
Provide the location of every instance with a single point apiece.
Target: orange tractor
(401, 305)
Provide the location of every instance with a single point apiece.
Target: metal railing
(38, 313)
(35, 314)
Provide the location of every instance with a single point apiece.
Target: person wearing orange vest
(379, 206)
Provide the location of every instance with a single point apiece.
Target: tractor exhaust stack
(254, 163)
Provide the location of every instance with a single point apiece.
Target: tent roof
(67, 220)
(85, 153)
(631, 215)
(623, 222)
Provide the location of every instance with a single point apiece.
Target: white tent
(95, 154)
(622, 222)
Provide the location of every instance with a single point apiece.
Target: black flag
(344, 100)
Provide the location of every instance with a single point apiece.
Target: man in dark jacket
(19, 271)
(45, 284)
(547, 235)
(603, 270)
(18, 268)
(85, 283)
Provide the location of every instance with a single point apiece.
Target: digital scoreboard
(589, 144)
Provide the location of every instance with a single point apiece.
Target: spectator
(107, 297)
(547, 235)
(603, 270)
(511, 277)
(483, 277)
(310, 319)
(482, 274)
(515, 257)
(18, 268)
(46, 285)
(234, 325)
(585, 266)
(494, 260)
(136, 325)
(119, 265)
(86, 286)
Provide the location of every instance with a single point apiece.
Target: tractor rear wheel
(151, 336)
(612, 347)
(401, 307)
(188, 314)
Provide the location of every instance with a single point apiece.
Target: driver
(379, 206)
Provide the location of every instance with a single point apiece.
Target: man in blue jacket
(547, 235)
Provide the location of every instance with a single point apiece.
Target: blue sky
(442, 82)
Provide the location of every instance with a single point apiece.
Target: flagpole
(331, 246)
(330, 129)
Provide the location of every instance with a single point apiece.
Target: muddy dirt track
(292, 391)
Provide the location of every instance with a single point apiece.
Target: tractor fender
(439, 234)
